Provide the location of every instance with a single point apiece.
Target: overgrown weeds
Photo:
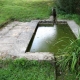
(71, 59)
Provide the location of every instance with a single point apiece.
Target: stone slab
(16, 36)
(30, 56)
(7, 28)
(75, 28)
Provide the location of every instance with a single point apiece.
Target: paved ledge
(74, 27)
(39, 56)
(29, 56)
(15, 37)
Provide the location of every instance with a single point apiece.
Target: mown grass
(24, 10)
(22, 69)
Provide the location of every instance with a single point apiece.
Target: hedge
(69, 6)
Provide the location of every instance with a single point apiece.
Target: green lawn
(24, 10)
(22, 69)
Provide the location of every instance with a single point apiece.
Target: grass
(24, 10)
(67, 76)
(71, 59)
(74, 17)
(64, 74)
(68, 16)
(27, 10)
(22, 69)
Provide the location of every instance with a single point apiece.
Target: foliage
(22, 69)
(69, 6)
(71, 59)
(68, 9)
(75, 17)
(67, 76)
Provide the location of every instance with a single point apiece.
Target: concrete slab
(75, 28)
(30, 56)
(7, 40)
(39, 56)
(7, 28)
(16, 36)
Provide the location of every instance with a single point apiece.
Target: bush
(68, 6)
(71, 59)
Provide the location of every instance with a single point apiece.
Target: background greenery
(68, 9)
(24, 10)
(69, 6)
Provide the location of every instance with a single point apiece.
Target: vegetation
(69, 63)
(69, 6)
(24, 10)
(74, 17)
(67, 76)
(22, 69)
(71, 59)
(68, 9)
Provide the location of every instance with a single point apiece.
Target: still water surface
(52, 38)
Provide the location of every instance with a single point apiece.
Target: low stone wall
(29, 56)
(74, 27)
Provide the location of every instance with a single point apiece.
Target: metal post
(54, 15)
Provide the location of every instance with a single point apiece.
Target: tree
(69, 6)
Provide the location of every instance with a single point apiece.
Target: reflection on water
(51, 38)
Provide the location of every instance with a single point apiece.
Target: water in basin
(51, 38)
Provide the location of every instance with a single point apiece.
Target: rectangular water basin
(51, 38)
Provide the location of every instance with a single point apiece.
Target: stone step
(29, 56)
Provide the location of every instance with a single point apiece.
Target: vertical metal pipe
(54, 15)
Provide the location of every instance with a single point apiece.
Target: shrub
(71, 59)
(68, 6)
